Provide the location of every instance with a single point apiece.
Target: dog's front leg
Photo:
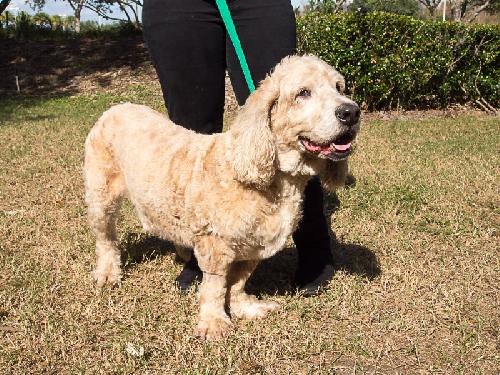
(241, 304)
(214, 258)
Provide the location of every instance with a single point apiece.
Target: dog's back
(180, 182)
(135, 151)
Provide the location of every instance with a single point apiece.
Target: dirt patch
(73, 66)
(79, 67)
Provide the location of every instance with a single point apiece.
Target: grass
(416, 290)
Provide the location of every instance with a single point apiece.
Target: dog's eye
(303, 93)
(339, 87)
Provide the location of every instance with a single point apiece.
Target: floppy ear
(334, 174)
(253, 149)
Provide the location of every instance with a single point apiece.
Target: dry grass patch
(418, 265)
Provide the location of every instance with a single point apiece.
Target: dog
(233, 197)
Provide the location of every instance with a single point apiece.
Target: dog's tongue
(342, 147)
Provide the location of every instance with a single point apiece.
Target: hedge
(392, 61)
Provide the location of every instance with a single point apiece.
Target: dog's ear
(334, 174)
(253, 149)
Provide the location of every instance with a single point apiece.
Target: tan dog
(233, 197)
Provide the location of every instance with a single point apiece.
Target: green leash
(233, 35)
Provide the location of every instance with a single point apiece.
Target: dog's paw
(213, 329)
(252, 308)
(110, 276)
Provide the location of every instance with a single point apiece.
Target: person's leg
(268, 33)
(312, 239)
(186, 41)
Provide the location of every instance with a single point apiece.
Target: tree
(76, 5)
(4, 19)
(129, 7)
(43, 20)
(3, 5)
(430, 5)
(468, 10)
(403, 7)
(325, 6)
(100, 7)
(456, 10)
(57, 22)
(491, 6)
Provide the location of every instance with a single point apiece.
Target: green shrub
(392, 61)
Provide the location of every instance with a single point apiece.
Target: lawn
(418, 267)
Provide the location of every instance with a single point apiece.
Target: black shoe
(190, 275)
(313, 280)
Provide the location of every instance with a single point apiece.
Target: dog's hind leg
(241, 304)
(104, 187)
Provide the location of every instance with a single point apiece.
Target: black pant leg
(312, 236)
(186, 41)
(267, 32)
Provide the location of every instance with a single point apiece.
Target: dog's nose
(348, 114)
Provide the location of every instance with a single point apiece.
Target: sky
(62, 8)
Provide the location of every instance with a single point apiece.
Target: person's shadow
(274, 275)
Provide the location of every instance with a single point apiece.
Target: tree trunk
(463, 8)
(77, 22)
(478, 10)
(456, 10)
(78, 14)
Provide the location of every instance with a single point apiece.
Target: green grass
(418, 265)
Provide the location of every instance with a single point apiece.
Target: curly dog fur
(234, 197)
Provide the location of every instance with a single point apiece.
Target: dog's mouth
(337, 149)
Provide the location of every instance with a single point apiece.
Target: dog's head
(297, 121)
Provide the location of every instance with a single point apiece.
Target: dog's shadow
(273, 276)
(136, 248)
